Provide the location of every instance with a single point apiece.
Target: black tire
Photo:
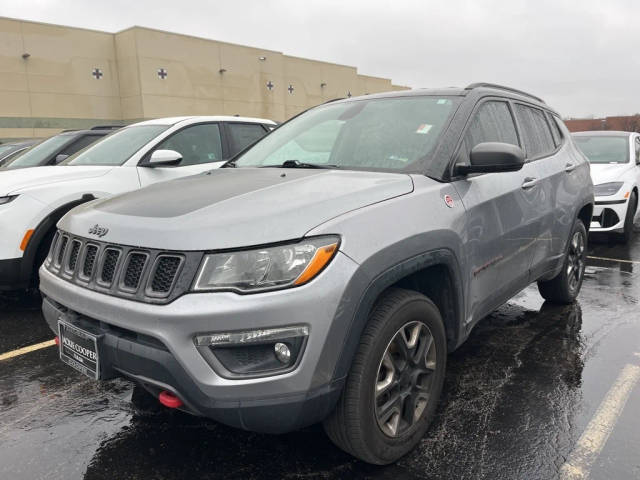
(627, 234)
(354, 425)
(564, 287)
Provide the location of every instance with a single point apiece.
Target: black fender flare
(455, 330)
(41, 231)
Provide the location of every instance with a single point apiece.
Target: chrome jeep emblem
(98, 231)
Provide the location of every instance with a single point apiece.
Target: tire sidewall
(577, 227)
(384, 447)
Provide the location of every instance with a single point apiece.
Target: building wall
(75, 78)
(629, 123)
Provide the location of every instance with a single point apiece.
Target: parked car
(33, 200)
(58, 148)
(325, 275)
(11, 149)
(615, 170)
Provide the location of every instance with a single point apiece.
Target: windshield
(604, 149)
(39, 153)
(388, 134)
(117, 148)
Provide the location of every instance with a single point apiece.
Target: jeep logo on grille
(98, 231)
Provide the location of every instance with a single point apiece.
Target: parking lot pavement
(537, 391)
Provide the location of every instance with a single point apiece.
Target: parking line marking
(601, 425)
(612, 259)
(23, 350)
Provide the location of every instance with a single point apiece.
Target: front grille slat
(109, 264)
(61, 250)
(133, 270)
(89, 260)
(140, 274)
(165, 273)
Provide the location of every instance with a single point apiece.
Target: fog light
(269, 351)
(282, 352)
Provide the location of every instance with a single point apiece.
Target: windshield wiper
(299, 164)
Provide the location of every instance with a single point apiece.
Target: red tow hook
(57, 340)
(169, 399)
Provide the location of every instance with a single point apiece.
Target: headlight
(607, 189)
(7, 199)
(266, 268)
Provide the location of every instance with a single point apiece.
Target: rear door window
(241, 135)
(492, 122)
(79, 144)
(197, 144)
(537, 137)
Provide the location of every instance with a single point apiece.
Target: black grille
(135, 266)
(73, 256)
(109, 266)
(165, 273)
(52, 248)
(141, 274)
(63, 246)
(89, 260)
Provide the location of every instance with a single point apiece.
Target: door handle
(570, 167)
(529, 182)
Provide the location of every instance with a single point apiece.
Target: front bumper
(154, 345)
(609, 214)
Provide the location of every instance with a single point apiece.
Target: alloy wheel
(405, 377)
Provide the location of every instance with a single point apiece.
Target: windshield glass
(117, 148)
(388, 134)
(39, 153)
(603, 149)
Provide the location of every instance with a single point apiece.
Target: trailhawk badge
(448, 200)
(98, 231)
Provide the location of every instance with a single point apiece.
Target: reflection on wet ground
(518, 394)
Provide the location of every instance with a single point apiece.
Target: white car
(32, 200)
(615, 171)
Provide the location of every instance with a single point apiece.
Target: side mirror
(163, 158)
(489, 157)
(60, 158)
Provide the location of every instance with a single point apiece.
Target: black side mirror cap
(491, 157)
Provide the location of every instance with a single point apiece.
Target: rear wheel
(565, 286)
(627, 233)
(395, 381)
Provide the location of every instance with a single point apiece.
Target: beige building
(55, 77)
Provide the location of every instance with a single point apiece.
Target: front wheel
(565, 286)
(393, 388)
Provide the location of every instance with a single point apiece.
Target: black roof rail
(502, 87)
(106, 127)
(69, 130)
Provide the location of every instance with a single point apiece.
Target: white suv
(615, 170)
(33, 200)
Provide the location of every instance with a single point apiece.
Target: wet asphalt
(517, 397)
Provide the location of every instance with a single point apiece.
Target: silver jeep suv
(325, 274)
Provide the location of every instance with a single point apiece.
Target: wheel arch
(423, 273)
(40, 233)
(584, 214)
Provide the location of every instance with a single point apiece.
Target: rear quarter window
(537, 138)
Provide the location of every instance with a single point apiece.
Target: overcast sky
(581, 56)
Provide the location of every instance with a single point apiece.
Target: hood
(14, 181)
(610, 172)
(231, 208)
